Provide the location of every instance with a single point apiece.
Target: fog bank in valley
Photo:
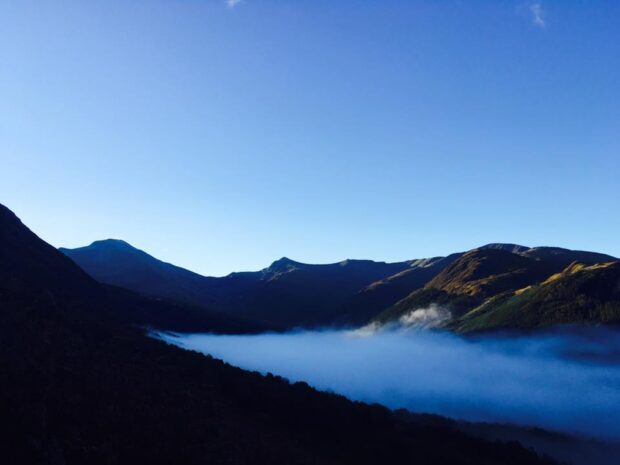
(566, 380)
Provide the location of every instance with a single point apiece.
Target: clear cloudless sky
(221, 135)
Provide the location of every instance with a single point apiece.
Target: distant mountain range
(284, 295)
(81, 384)
(484, 288)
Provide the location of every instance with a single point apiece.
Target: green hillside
(469, 281)
(492, 287)
(580, 293)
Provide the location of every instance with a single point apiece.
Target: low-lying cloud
(430, 317)
(566, 380)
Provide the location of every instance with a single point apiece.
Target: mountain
(484, 272)
(286, 294)
(79, 385)
(469, 280)
(376, 297)
(579, 294)
(559, 258)
(116, 262)
(290, 294)
(314, 295)
(482, 278)
(42, 268)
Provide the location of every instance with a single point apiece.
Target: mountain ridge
(484, 279)
(289, 294)
(269, 295)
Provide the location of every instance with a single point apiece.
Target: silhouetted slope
(315, 295)
(78, 387)
(30, 265)
(286, 294)
(33, 267)
(152, 312)
(117, 263)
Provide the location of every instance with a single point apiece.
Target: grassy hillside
(579, 294)
(484, 272)
(468, 281)
(491, 287)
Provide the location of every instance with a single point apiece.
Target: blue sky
(222, 135)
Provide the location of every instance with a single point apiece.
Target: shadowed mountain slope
(31, 266)
(148, 292)
(378, 296)
(285, 294)
(116, 262)
(316, 295)
(78, 386)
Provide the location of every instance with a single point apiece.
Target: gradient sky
(223, 135)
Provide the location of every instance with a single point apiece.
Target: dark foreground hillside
(80, 387)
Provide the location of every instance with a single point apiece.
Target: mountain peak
(29, 263)
(6, 215)
(283, 264)
(514, 248)
(116, 243)
(357, 261)
(104, 246)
